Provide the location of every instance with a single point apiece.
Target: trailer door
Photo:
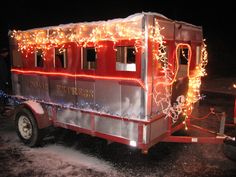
(183, 58)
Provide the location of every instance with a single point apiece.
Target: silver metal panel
(35, 86)
(74, 117)
(50, 111)
(147, 20)
(66, 116)
(131, 102)
(167, 29)
(117, 127)
(16, 84)
(146, 134)
(25, 90)
(61, 90)
(185, 32)
(198, 35)
(108, 97)
(84, 120)
(158, 128)
(108, 126)
(129, 130)
(84, 92)
(144, 60)
(160, 99)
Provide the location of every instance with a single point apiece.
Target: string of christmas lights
(84, 34)
(183, 106)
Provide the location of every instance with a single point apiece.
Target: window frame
(36, 58)
(64, 65)
(90, 65)
(183, 60)
(122, 64)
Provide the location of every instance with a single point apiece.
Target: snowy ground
(220, 85)
(81, 155)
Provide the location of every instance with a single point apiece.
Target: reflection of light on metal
(133, 143)
(79, 76)
(186, 128)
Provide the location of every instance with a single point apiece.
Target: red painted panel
(28, 60)
(106, 60)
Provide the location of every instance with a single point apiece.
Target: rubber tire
(230, 152)
(229, 148)
(36, 136)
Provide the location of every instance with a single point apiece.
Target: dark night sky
(215, 18)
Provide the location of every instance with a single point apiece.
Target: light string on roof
(82, 34)
(86, 34)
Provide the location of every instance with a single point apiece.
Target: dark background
(216, 18)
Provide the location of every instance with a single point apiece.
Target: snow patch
(133, 17)
(77, 157)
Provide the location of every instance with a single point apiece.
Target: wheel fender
(39, 113)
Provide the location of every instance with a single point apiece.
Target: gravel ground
(69, 154)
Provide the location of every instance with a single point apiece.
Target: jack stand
(222, 124)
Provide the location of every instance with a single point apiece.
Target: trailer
(132, 80)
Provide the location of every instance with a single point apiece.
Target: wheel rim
(25, 127)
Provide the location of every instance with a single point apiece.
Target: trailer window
(60, 60)
(183, 59)
(89, 58)
(183, 56)
(125, 58)
(39, 58)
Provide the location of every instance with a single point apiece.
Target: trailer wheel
(27, 129)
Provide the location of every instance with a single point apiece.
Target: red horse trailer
(133, 80)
